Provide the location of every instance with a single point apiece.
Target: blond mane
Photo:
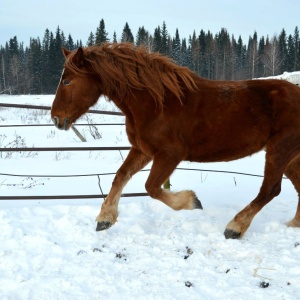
(123, 67)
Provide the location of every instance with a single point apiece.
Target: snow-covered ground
(293, 77)
(49, 249)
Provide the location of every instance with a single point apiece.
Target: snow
(49, 249)
(293, 77)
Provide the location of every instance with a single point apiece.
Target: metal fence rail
(92, 111)
(52, 125)
(43, 149)
(64, 197)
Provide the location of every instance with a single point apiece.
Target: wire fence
(100, 195)
(43, 149)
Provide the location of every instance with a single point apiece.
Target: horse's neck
(135, 106)
(121, 104)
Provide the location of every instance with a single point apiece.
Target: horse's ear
(78, 58)
(65, 52)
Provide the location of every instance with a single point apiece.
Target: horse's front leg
(163, 166)
(134, 162)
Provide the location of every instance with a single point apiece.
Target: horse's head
(77, 90)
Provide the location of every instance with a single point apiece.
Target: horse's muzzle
(61, 125)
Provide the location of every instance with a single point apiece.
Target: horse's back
(233, 119)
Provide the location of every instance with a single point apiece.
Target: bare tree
(272, 58)
(253, 56)
(148, 43)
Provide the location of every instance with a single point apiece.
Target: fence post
(167, 184)
(78, 134)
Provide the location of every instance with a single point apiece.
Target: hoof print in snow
(189, 252)
(188, 284)
(80, 252)
(97, 250)
(120, 255)
(264, 285)
(296, 244)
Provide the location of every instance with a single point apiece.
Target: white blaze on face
(58, 85)
(60, 80)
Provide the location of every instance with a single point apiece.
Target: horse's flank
(123, 67)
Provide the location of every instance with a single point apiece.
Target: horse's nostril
(55, 120)
(66, 122)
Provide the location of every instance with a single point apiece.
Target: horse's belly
(220, 149)
(225, 155)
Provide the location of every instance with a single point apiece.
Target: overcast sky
(30, 18)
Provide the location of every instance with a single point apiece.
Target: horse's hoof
(197, 204)
(231, 234)
(103, 226)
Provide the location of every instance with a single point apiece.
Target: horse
(173, 115)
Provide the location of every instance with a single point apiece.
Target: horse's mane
(123, 67)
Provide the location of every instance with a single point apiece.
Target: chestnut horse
(173, 115)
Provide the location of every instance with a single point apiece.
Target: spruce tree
(290, 54)
(45, 63)
(55, 61)
(70, 43)
(114, 37)
(157, 40)
(91, 40)
(101, 34)
(127, 34)
(211, 59)
(185, 54)
(164, 49)
(261, 65)
(142, 36)
(202, 61)
(63, 39)
(222, 54)
(296, 37)
(34, 67)
(14, 64)
(282, 42)
(194, 48)
(176, 48)
(2, 71)
(240, 59)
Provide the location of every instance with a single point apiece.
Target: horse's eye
(66, 82)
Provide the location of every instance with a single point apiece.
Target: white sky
(30, 18)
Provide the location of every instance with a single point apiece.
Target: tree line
(36, 68)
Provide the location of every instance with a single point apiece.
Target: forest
(36, 68)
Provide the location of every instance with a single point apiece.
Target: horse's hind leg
(162, 168)
(271, 187)
(134, 162)
(292, 171)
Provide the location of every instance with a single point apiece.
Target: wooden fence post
(167, 184)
